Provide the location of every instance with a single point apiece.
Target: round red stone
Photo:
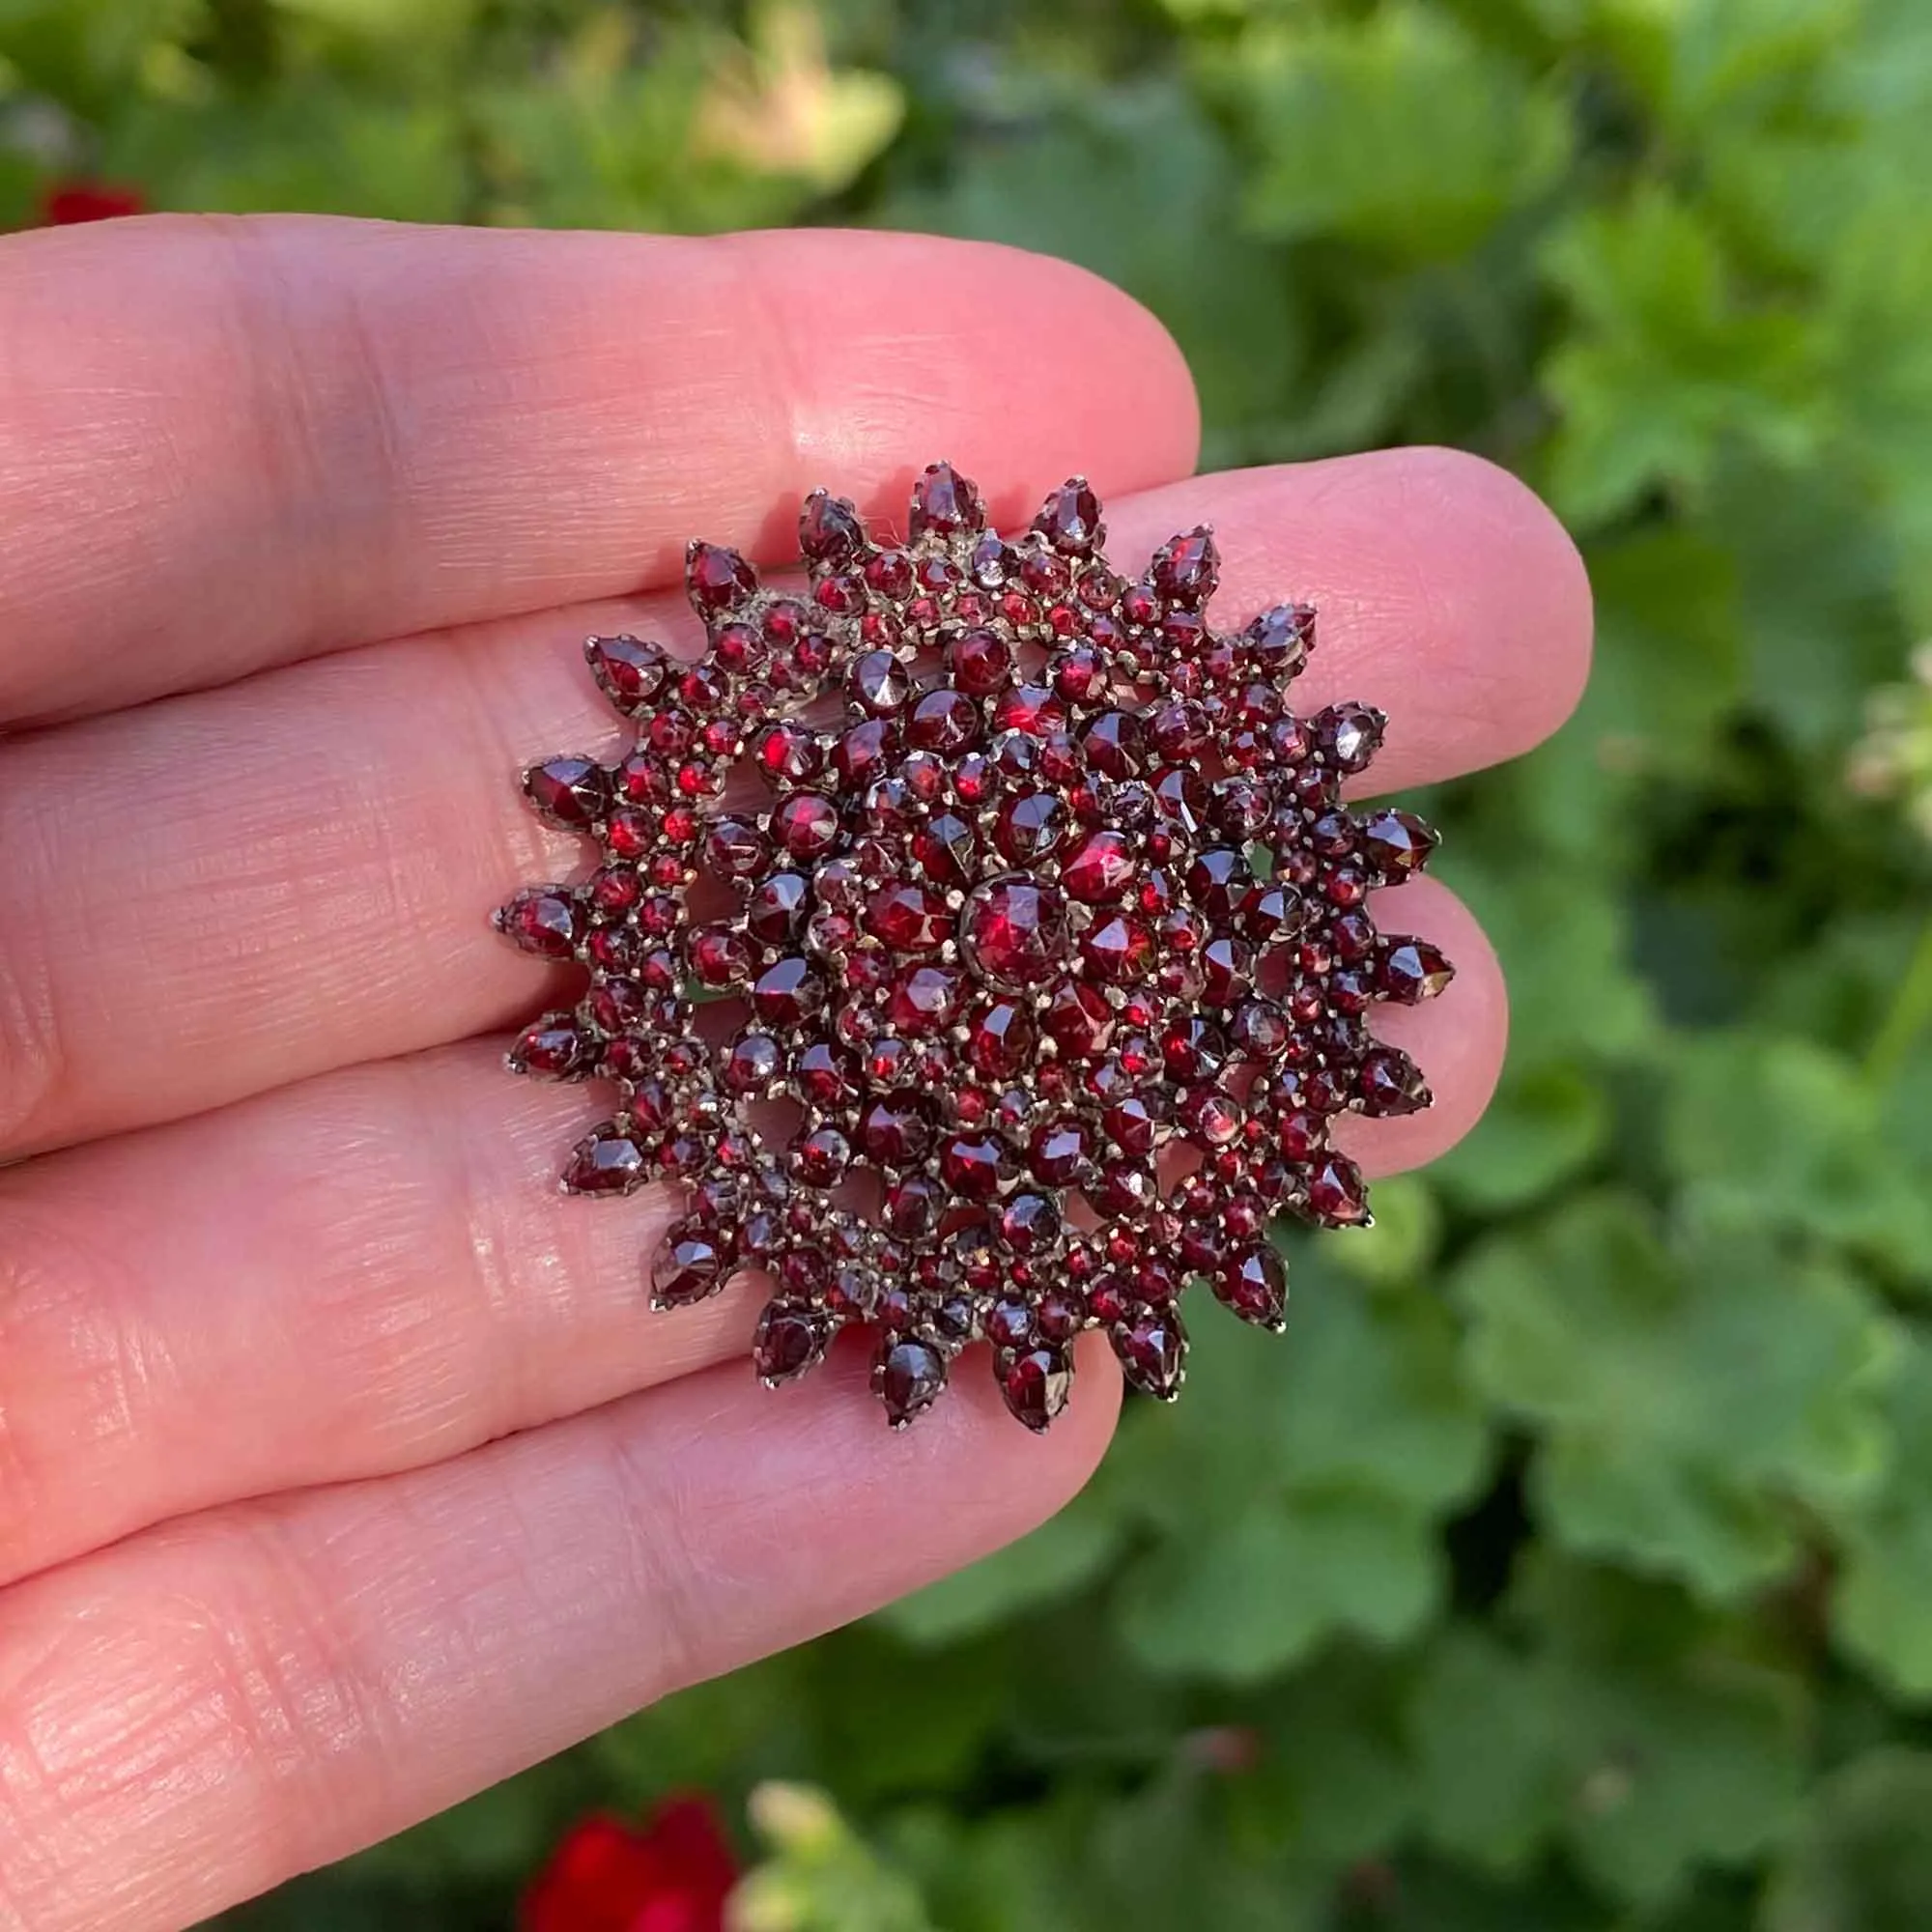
(806, 825)
(1014, 932)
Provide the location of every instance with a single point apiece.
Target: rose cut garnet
(1032, 882)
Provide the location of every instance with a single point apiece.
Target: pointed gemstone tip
(944, 504)
(1069, 519)
(717, 577)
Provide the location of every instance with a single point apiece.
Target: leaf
(1136, 184)
(1544, 1125)
(1285, 1519)
(1688, 1392)
(1400, 132)
(1262, 1592)
(1644, 1735)
(1667, 365)
(1861, 1861)
(1879, 1603)
(1332, 1783)
(1564, 942)
(1790, 1133)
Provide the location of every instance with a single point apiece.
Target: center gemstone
(1014, 932)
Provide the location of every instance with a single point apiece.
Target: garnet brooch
(981, 941)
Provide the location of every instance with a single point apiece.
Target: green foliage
(1566, 1567)
(1680, 1428)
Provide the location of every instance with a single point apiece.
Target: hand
(342, 1468)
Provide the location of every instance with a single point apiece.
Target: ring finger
(374, 1270)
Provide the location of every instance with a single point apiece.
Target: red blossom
(672, 1875)
(67, 202)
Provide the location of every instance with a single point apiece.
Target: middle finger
(222, 892)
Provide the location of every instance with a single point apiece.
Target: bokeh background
(1567, 1567)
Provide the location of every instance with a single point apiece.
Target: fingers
(204, 1709)
(227, 443)
(251, 886)
(374, 1270)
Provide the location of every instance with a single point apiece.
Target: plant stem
(1906, 1018)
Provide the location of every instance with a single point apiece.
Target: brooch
(979, 942)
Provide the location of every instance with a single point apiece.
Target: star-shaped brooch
(981, 943)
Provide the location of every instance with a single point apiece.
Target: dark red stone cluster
(1055, 948)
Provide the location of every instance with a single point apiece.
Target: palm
(340, 1469)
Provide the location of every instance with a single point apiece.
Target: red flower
(67, 202)
(673, 1875)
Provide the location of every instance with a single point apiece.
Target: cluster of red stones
(1061, 935)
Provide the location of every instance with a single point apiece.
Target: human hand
(342, 1470)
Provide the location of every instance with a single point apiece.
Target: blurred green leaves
(1568, 1565)
(1680, 1420)
(1400, 132)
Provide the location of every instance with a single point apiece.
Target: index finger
(226, 443)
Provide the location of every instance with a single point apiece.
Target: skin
(342, 1471)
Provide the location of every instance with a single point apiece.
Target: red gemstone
(1031, 827)
(788, 1342)
(1035, 1386)
(1391, 1083)
(907, 1377)
(1413, 970)
(973, 1165)
(569, 792)
(552, 1050)
(1337, 1194)
(946, 847)
(944, 720)
(822, 1157)
(909, 918)
(1253, 1284)
(1185, 568)
(1014, 932)
(806, 825)
(1348, 735)
(829, 530)
(895, 1132)
(735, 849)
(543, 920)
(630, 671)
(1153, 1351)
(1079, 1020)
(925, 999)
(692, 1263)
(1029, 1223)
(1396, 844)
(944, 503)
(1000, 1040)
(1116, 949)
(1069, 519)
(605, 1162)
(787, 754)
(786, 993)
(717, 577)
(980, 661)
